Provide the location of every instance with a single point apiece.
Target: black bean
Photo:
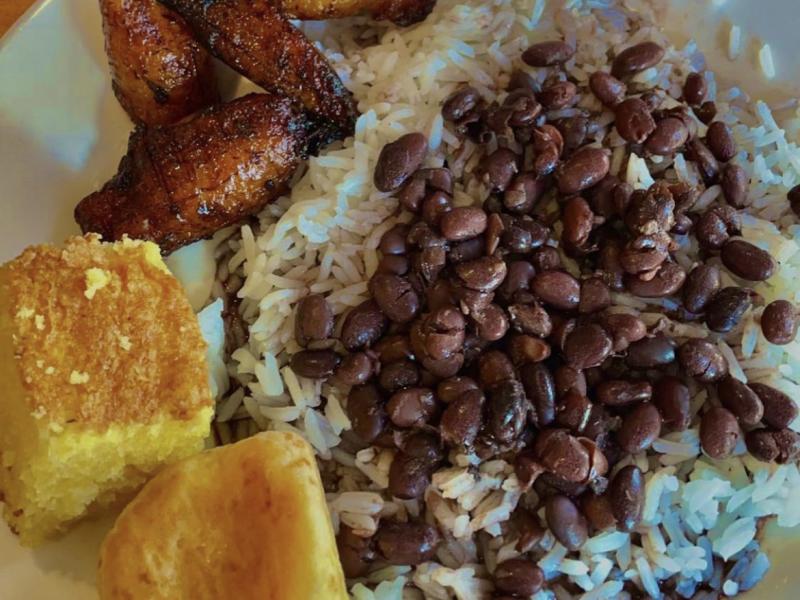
(520, 80)
(313, 320)
(540, 390)
(397, 375)
(411, 407)
(633, 120)
(393, 348)
(462, 419)
(495, 367)
(619, 392)
(788, 442)
(355, 369)
(742, 401)
(398, 160)
(557, 289)
(747, 260)
(445, 367)
(484, 274)
(652, 352)
(421, 183)
(735, 183)
(779, 322)
(762, 445)
(546, 258)
(702, 360)
(395, 296)
(727, 307)
(367, 412)
(363, 326)
(566, 522)
(668, 280)
(394, 240)
(578, 220)
(407, 543)
(500, 167)
(523, 106)
(624, 329)
(671, 397)
(597, 509)
(449, 390)
(702, 283)
(518, 278)
(640, 428)
(548, 54)
(574, 131)
(460, 103)
(530, 319)
(528, 349)
(463, 223)
(563, 455)
(626, 497)
(507, 411)
(409, 476)
(705, 160)
(518, 577)
(608, 89)
(567, 378)
(522, 193)
(711, 230)
(315, 364)
(779, 409)
(595, 296)
(434, 206)
(695, 89)
(637, 58)
(355, 552)
(491, 323)
(706, 111)
(586, 167)
(558, 95)
(720, 141)
(394, 264)
(573, 411)
(794, 199)
(587, 346)
(439, 334)
(668, 136)
(719, 433)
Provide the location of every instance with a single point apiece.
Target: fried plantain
(160, 73)
(180, 183)
(402, 12)
(255, 39)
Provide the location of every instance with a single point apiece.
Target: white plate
(62, 134)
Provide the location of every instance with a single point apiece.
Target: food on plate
(104, 379)
(242, 521)
(543, 335)
(255, 39)
(403, 12)
(180, 183)
(160, 74)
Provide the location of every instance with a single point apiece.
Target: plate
(62, 134)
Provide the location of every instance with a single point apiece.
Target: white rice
(324, 239)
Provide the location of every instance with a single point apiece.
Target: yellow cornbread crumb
(77, 378)
(68, 450)
(124, 342)
(96, 279)
(247, 520)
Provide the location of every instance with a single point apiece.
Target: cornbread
(104, 379)
(238, 522)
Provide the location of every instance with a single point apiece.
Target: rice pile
(323, 239)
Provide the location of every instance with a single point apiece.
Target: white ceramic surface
(62, 134)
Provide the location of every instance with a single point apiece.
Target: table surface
(10, 11)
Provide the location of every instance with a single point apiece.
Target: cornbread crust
(246, 521)
(99, 389)
(61, 333)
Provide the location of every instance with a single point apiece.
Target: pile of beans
(477, 339)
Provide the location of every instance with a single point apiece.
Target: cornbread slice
(237, 522)
(103, 378)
